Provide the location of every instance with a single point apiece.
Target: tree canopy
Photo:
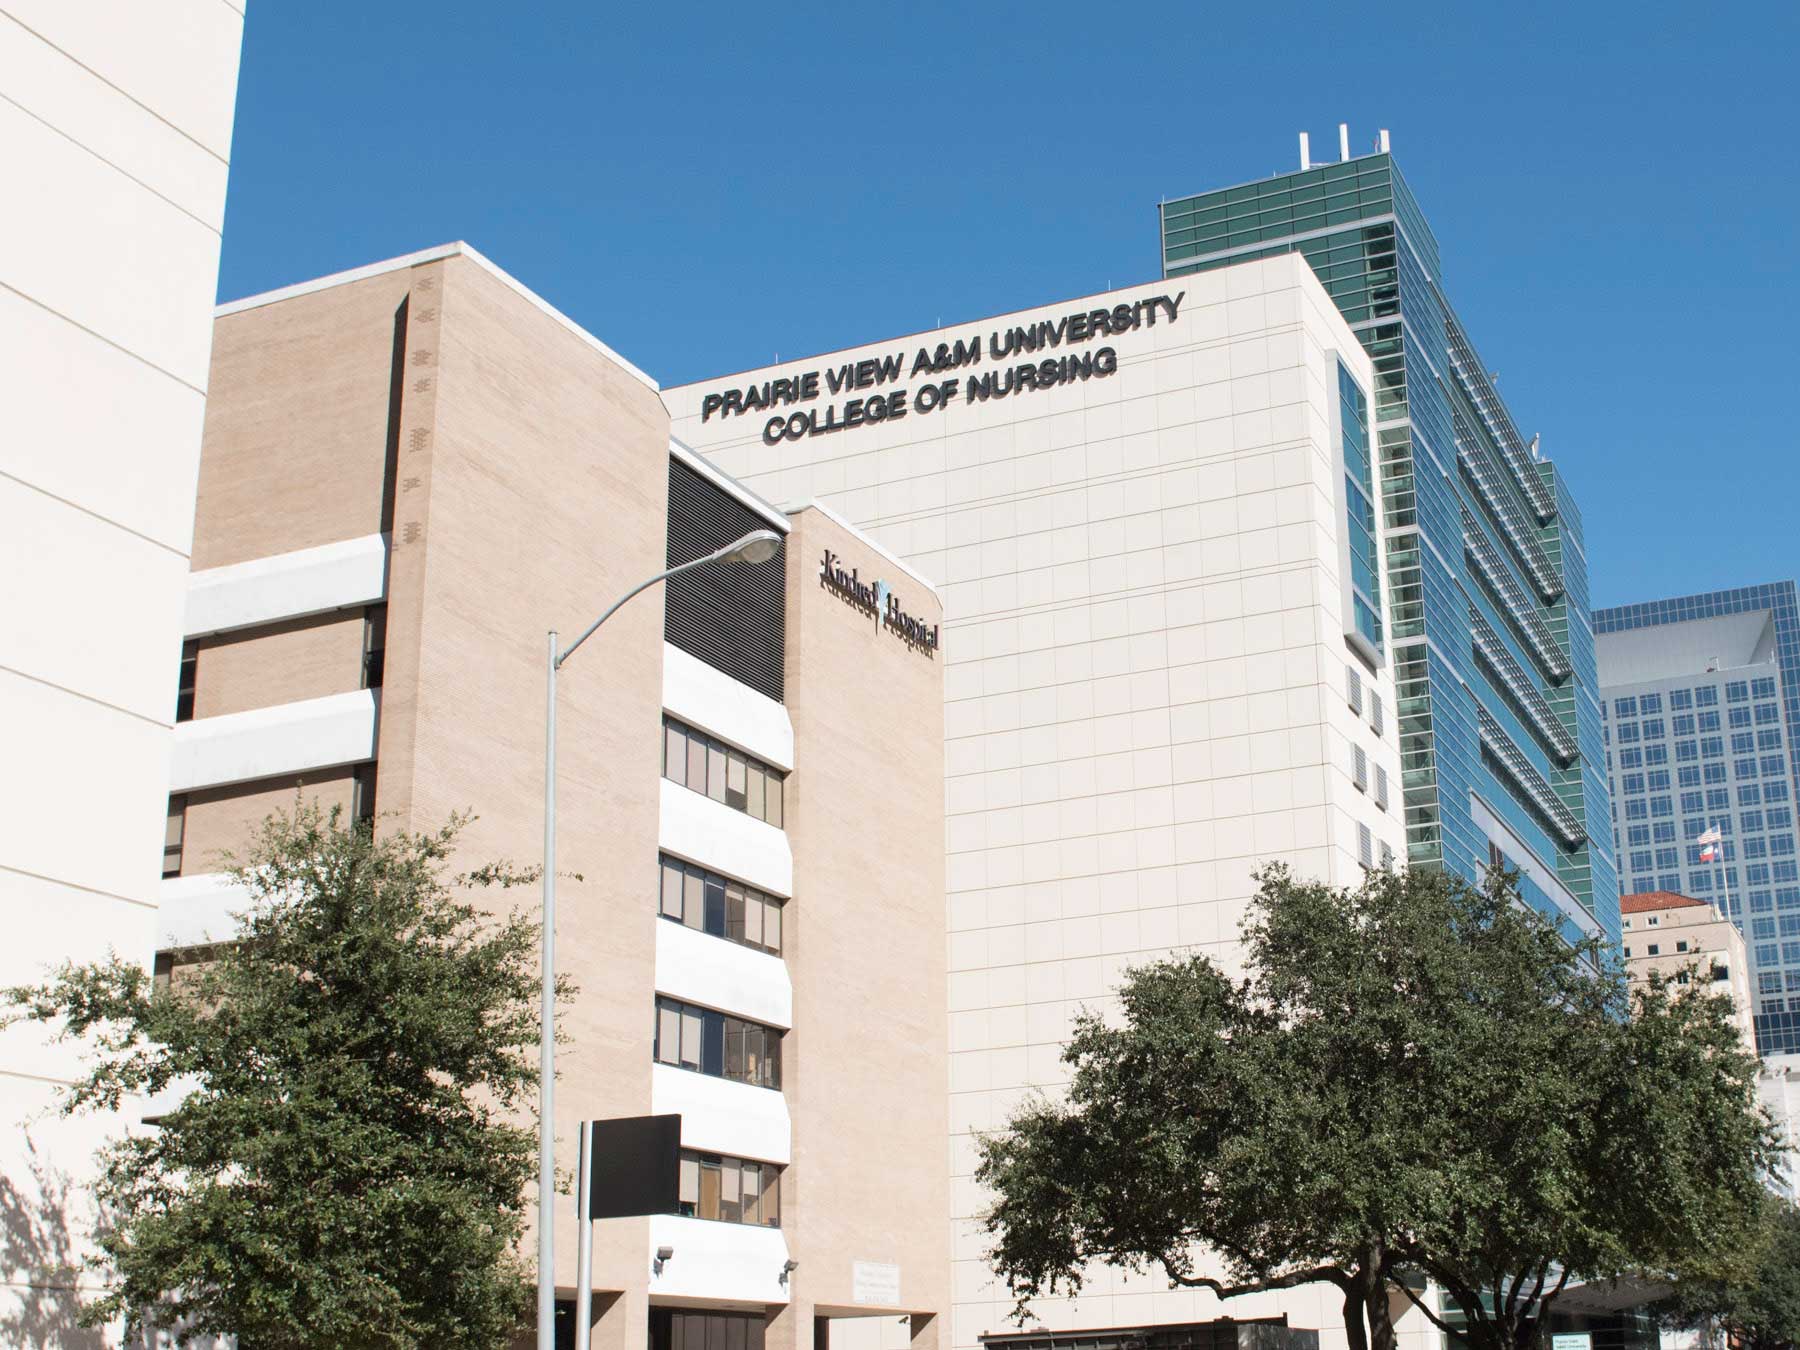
(347, 1166)
(1756, 1299)
(1414, 1076)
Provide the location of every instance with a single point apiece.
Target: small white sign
(878, 1282)
(1572, 1340)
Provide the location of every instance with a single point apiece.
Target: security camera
(665, 1253)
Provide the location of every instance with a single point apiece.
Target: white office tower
(115, 137)
(1151, 514)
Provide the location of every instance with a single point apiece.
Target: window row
(698, 761)
(717, 1044)
(730, 1190)
(718, 905)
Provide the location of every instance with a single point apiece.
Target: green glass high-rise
(1487, 602)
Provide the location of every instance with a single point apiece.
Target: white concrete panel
(720, 1116)
(287, 585)
(314, 733)
(114, 258)
(123, 592)
(179, 59)
(199, 910)
(699, 968)
(72, 447)
(736, 1262)
(101, 119)
(712, 701)
(697, 828)
(83, 798)
(48, 923)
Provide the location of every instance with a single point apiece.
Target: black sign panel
(636, 1167)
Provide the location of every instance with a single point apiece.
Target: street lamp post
(757, 546)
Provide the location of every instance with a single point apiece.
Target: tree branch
(1223, 1290)
(1436, 1321)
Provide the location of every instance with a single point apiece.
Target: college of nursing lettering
(878, 601)
(873, 373)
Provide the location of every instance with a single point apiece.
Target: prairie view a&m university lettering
(1004, 373)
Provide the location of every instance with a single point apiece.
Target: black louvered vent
(731, 616)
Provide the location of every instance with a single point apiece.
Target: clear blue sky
(1613, 186)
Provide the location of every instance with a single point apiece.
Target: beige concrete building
(115, 146)
(1684, 940)
(410, 473)
(1150, 512)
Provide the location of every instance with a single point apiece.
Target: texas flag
(1711, 847)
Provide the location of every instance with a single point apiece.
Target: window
(1707, 696)
(719, 905)
(1736, 691)
(1632, 784)
(1749, 795)
(1653, 729)
(1381, 789)
(1377, 721)
(697, 761)
(730, 1190)
(1365, 846)
(1631, 759)
(184, 689)
(1682, 724)
(1768, 740)
(1709, 721)
(173, 834)
(1686, 750)
(1627, 732)
(1764, 688)
(1387, 856)
(1681, 698)
(1653, 920)
(362, 793)
(717, 1044)
(1625, 707)
(1353, 688)
(1638, 835)
(374, 645)
(1681, 946)
(1359, 762)
(1767, 714)
(1656, 754)
(1649, 704)
(1654, 949)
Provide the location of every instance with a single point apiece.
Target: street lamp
(757, 546)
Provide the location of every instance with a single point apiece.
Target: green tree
(1414, 1076)
(1756, 1300)
(348, 1168)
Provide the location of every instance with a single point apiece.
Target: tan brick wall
(223, 819)
(279, 663)
(869, 1080)
(542, 497)
(296, 440)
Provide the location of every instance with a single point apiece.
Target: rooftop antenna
(1305, 152)
(1534, 447)
(1382, 141)
(1343, 141)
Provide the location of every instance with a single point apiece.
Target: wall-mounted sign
(876, 1282)
(875, 381)
(878, 601)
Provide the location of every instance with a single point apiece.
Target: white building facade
(1143, 510)
(115, 136)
